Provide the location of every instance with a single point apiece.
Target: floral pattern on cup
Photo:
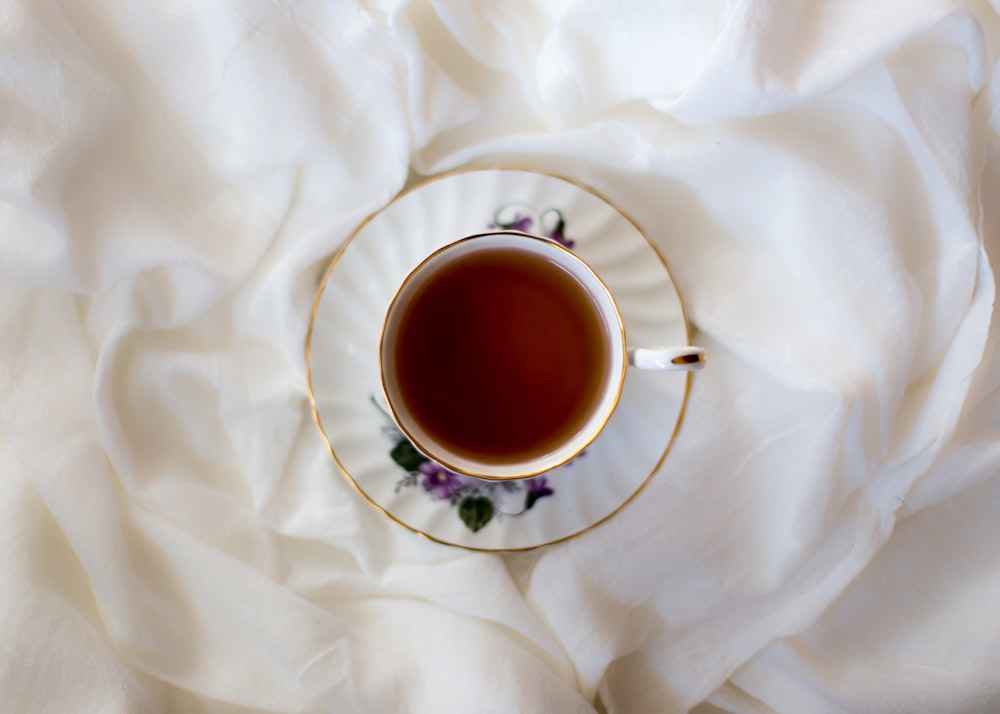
(479, 501)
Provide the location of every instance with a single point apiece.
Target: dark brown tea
(501, 355)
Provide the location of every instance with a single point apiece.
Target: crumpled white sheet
(822, 177)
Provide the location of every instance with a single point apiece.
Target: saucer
(343, 371)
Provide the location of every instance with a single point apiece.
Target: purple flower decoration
(517, 223)
(558, 237)
(558, 232)
(538, 487)
(440, 481)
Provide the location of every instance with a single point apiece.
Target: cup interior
(491, 467)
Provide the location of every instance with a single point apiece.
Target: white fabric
(822, 177)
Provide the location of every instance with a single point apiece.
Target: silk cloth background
(822, 177)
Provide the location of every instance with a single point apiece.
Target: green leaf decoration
(475, 512)
(529, 500)
(406, 455)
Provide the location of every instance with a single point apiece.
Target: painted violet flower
(523, 222)
(558, 232)
(538, 487)
(517, 223)
(439, 480)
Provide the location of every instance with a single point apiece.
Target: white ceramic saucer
(343, 372)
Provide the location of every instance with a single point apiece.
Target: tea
(501, 355)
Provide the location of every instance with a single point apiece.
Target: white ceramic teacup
(434, 387)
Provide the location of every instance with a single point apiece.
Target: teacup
(503, 355)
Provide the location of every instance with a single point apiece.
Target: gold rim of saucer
(599, 428)
(312, 322)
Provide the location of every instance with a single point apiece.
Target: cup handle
(685, 359)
